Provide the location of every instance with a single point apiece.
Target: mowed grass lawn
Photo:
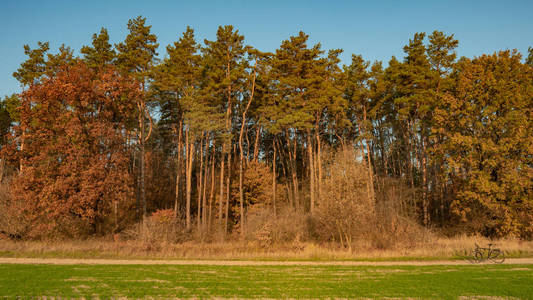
(203, 281)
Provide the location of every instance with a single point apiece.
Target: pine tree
(177, 80)
(101, 53)
(441, 55)
(299, 73)
(224, 66)
(359, 105)
(529, 59)
(135, 57)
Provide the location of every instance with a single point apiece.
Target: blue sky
(375, 29)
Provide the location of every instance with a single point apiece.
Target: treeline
(214, 132)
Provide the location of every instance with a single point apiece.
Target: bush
(162, 226)
(347, 213)
(268, 230)
(345, 210)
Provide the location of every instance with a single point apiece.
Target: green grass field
(266, 281)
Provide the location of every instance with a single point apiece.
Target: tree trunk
(286, 176)
(190, 149)
(256, 143)
(243, 123)
(370, 172)
(204, 192)
(311, 172)
(200, 182)
(274, 175)
(319, 160)
(212, 194)
(247, 156)
(143, 190)
(425, 200)
(292, 167)
(178, 170)
(228, 179)
(221, 198)
(241, 189)
(142, 139)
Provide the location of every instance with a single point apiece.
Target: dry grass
(439, 248)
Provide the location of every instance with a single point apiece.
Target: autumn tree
(76, 173)
(487, 125)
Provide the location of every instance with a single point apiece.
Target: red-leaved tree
(72, 142)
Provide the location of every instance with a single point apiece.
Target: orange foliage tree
(75, 178)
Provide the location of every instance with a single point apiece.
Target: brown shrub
(395, 224)
(161, 226)
(288, 226)
(347, 213)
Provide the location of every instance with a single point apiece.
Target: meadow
(434, 248)
(295, 281)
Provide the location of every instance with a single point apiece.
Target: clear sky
(375, 29)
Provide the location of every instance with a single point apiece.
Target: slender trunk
(247, 156)
(369, 185)
(370, 172)
(178, 170)
(136, 158)
(241, 188)
(212, 193)
(143, 190)
(243, 123)
(141, 160)
(296, 188)
(190, 149)
(224, 143)
(274, 175)
(256, 143)
(286, 176)
(319, 160)
(311, 172)
(407, 137)
(228, 179)
(424, 185)
(289, 194)
(199, 177)
(368, 192)
(221, 197)
(204, 192)
(143, 113)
